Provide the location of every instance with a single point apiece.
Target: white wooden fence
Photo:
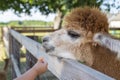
(63, 69)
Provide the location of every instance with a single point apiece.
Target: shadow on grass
(8, 71)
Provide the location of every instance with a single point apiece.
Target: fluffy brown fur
(87, 19)
(103, 60)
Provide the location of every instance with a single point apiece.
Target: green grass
(9, 72)
(23, 64)
(1, 65)
(0, 34)
(2, 57)
(115, 33)
(2, 52)
(27, 23)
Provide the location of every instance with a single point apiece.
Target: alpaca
(75, 41)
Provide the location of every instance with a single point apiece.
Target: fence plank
(6, 40)
(15, 51)
(63, 69)
(17, 71)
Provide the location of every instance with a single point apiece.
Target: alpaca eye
(73, 34)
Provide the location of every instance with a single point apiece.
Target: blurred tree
(112, 6)
(60, 7)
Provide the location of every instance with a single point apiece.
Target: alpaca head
(72, 41)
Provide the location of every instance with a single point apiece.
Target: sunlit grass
(1, 65)
(23, 64)
(115, 33)
(2, 52)
(2, 57)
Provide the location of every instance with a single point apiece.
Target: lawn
(115, 33)
(25, 23)
(2, 57)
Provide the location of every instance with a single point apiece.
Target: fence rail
(16, 68)
(33, 29)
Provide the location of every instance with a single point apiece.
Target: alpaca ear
(101, 39)
(109, 42)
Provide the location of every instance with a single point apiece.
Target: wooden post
(1, 37)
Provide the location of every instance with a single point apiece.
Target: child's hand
(41, 66)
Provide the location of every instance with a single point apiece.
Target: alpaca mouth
(48, 48)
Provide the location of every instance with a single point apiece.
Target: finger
(41, 59)
(45, 62)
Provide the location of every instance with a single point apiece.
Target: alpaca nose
(45, 39)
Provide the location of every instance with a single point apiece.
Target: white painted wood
(6, 40)
(63, 69)
(17, 71)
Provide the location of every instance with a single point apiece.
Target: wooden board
(16, 69)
